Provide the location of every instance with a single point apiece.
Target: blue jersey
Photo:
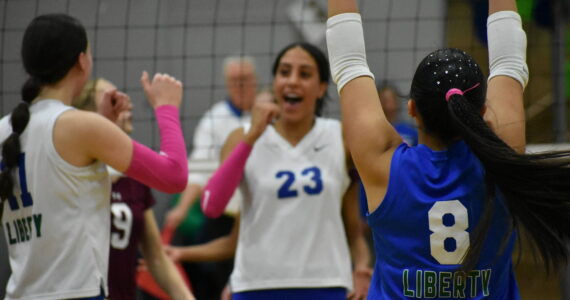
(422, 230)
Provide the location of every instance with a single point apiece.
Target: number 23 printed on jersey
(287, 190)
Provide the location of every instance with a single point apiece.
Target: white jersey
(210, 135)
(291, 231)
(57, 226)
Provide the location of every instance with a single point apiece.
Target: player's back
(57, 225)
(422, 229)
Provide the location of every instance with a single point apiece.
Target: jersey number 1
(455, 232)
(25, 194)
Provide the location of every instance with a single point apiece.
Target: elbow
(207, 204)
(211, 213)
(180, 180)
(177, 181)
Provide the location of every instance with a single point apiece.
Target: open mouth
(292, 98)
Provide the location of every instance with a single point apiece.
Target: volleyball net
(189, 39)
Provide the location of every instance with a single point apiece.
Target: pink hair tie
(452, 92)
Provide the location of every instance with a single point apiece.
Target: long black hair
(322, 66)
(51, 46)
(535, 187)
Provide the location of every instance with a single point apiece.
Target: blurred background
(189, 39)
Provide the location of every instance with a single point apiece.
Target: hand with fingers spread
(113, 104)
(262, 114)
(162, 90)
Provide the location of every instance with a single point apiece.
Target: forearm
(359, 250)
(189, 196)
(341, 6)
(167, 171)
(222, 248)
(360, 253)
(499, 5)
(167, 277)
(223, 183)
(160, 266)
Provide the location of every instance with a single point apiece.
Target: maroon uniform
(129, 200)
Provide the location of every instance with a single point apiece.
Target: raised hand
(162, 90)
(262, 114)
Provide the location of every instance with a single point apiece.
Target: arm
(222, 248)
(360, 105)
(176, 215)
(508, 73)
(83, 137)
(161, 268)
(359, 250)
(203, 151)
(223, 183)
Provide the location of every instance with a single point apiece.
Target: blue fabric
(297, 294)
(99, 297)
(408, 133)
(235, 110)
(410, 256)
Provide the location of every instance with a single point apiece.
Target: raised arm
(360, 105)
(508, 73)
(225, 180)
(81, 137)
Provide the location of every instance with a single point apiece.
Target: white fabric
(209, 138)
(294, 242)
(347, 53)
(68, 257)
(507, 46)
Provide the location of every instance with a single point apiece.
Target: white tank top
(291, 232)
(58, 238)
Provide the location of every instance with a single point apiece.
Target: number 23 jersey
(291, 230)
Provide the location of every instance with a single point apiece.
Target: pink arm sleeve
(223, 183)
(167, 171)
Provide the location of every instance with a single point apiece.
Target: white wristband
(347, 54)
(507, 46)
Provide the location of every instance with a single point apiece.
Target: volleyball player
(54, 183)
(133, 225)
(292, 241)
(445, 213)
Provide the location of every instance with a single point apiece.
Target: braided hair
(51, 46)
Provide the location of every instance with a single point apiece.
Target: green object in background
(525, 9)
(194, 219)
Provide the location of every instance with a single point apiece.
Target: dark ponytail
(50, 48)
(535, 187)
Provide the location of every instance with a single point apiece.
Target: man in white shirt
(210, 135)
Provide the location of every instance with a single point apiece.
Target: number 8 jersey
(291, 230)
(422, 229)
